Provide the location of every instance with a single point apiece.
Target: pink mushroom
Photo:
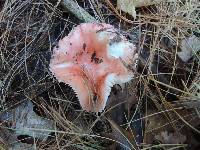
(91, 59)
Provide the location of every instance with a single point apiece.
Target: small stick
(78, 11)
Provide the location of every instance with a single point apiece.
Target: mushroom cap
(91, 59)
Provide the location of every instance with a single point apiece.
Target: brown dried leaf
(171, 138)
(128, 6)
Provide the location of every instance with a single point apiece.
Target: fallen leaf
(189, 47)
(24, 121)
(127, 6)
(9, 141)
(123, 137)
(166, 137)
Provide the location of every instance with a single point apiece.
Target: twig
(78, 11)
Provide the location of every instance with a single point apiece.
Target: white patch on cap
(117, 49)
(63, 65)
(108, 33)
(102, 35)
(124, 78)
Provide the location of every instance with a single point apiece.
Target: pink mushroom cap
(91, 59)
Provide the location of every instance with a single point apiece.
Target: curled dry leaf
(129, 6)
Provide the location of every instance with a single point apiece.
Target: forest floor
(159, 109)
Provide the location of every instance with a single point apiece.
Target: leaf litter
(159, 104)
